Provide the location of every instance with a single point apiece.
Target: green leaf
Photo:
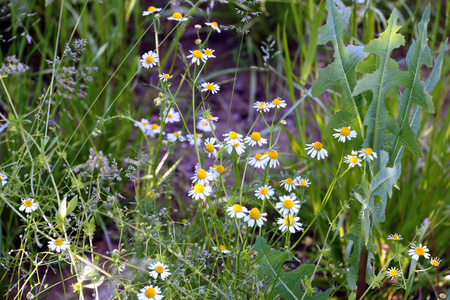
(354, 236)
(63, 208)
(288, 284)
(341, 72)
(377, 118)
(72, 205)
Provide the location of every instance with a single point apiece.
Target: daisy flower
(283, 122)
(150, 292)
(238, 147)
(121, 268)
(302, 181)
(344, 133)
(367, 153)
(58, 245)
(197, 56)
(159, 269)
(442, 296)
(177, 17)
(30, 296)
(4, 178)
(143, 124)
(214, 26)
(435, 261)
(210, 147)
(222, 249)
(416, 251)
(255, 216)
(352, 160)
(210, 87)
(202, 177)
(205, 125)
(209, 53)
(198, 138)
(289, 222)
(288, 184)
(278, 103)
(157, 101)
(264, 192)
(153, 130)
(316, 149)
(259, 161)
(254, 139)
(217, 170)
(176, 136)
(237, 211)
(172, 116)
(164, 77)
(393, 273)
(273, 159)
(200, 191)
(288, 205)
(149, 59)
(198, 41)
(233, 137)
(261, 106)
(198, 26)
(28, 205)
(395, 237)
(151, 10)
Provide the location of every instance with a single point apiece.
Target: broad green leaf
(341, 72)
(377, 118)
(72, 205)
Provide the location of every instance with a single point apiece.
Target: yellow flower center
(235, 145)
(289, 181)
(302, 182)
(258, 156)
(420, 251)
(393, 273)
(149, 59)
(206, 123)
(264, 191)
(289, 221)
(176, 134)
(156, 101)
(395, 237)
(28, 203)
(58, 242)
(220, 169)
(151, 8)
(232, 135)
(255, 214)
(210, 117)
(262, 105)
(368, 151)
(318, 146)
(209, 148)
(256, 136)
(276, 101)
(208, 52)
(201, 174)
(435, 263)
(154, 126)
(159, 269)
(197, 136)
(150, 292)
(273, 154)
(222, 248)
(167, 76)
(210, 86)
(144, 123)
(197, 54)
(198, 188)
(169, 116)
(237, 208)
(288, 203)
(214, 24)
(353, 159)
(177, 16)
(345, 131)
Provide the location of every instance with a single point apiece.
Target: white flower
(283, 122)
(143, 124)
(159, 269)
(30, 296)
(151, 10)
(237, 211)
(150, 292)
(273, 159)
(209, 53)
(157, 101)
(288, 184)
(177, 17)
(197, 56)
(149, 59)
(58, 245)
(259, 161)
(299, 181)
(210, 87)
(198, 26)
(254, 139)
(393, 273)
(210, 147)
(395, 237)
(121, 268)
(205, 125)
(233, 137)
(264, 192)
(289, 222)
(288, 205)
(198, 138)
(222, 249)
(202, 177)
(28, 205)
(200, 191)
(165, 77)
(261, 106)
(4, 178)
(367, 153)
(217, 170)
(316, 149)
(416, 251)
(344, 133)
(352, 160)
(435, 261)
(214, 26)
(255, 216)
(176, 136)
(153, 130)
(171, 116)
(238, 147)
(278, 103)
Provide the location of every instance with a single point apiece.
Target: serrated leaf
(63, 208)
(341, 72)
